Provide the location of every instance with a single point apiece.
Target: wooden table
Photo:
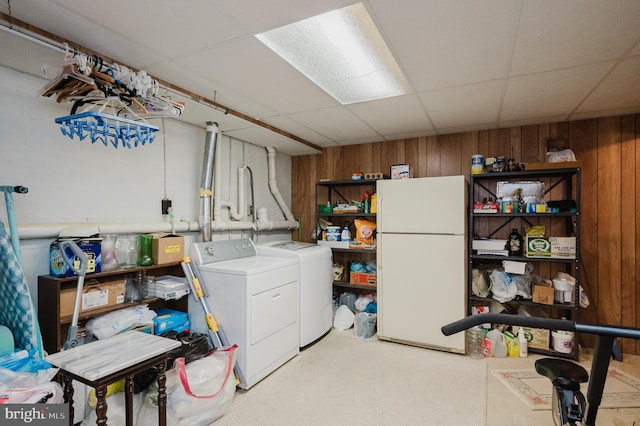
(98, 364)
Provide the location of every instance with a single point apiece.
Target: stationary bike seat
(565, 373)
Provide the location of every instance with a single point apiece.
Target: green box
(537, 247)
(556, 247)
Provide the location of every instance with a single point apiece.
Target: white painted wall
(74, 182)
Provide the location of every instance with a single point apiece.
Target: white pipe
(239, 212)
(273, 186)
(264, 224)
(52, 230)
(224, 225)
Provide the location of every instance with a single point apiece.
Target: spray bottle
(523, 352)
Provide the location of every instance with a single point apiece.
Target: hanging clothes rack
(42, 37)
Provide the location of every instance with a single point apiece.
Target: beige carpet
(342, 380)
(621, 390)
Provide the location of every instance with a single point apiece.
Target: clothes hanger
(68, 74)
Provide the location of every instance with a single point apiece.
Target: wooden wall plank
(530, 152)
(433, 156)
(468, 148)
(636, 199)
(450, 155)
(421, 161)
(411, 155)
(609, 222)
(628, 222)
(609, 151)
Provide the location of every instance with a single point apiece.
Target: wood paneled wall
(610, 191)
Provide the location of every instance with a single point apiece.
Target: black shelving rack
(335, 191)
(567, 180)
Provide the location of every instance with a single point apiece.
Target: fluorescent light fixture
(341, 51)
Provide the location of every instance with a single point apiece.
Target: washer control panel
(219, 251)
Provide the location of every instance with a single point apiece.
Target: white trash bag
(343, 318)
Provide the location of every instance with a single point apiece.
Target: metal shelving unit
(344, 191)
(564, 181)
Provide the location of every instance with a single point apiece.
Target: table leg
(101, 407)
(68, 396)
(162, 395)
(128, 392)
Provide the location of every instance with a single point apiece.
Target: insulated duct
(206, 182)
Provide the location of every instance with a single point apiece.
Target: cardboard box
(564, 247)
(554, 247)
(91, 246)
(363, 279)
(94, 296)
(489, 244)
(537, 246)
(167, 248)
(536, 337)
(400, 171)
(543, 293)
(168, 319)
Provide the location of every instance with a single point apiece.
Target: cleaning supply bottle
(515, 243)
(524, 351)
(345, 235)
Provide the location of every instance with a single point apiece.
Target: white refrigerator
(422, 260)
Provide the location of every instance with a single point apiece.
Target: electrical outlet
(166, 204)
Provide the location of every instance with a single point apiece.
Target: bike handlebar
(536, 322)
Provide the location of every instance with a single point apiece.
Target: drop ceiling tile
(284, 122)
(337, 124)
(263, 137)
(197, 81)
(620, 89)
(399, 114)
(258, 15)
(552, 93)
(441, 44)
(260, 74)
(164, 26)
(552, 34)
(64, 20)
(476, 104)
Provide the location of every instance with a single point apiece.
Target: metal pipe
(207, 177)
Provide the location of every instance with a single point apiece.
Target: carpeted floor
(342, 380)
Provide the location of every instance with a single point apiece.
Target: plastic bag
(502, 286)
(479, 283)
(343, 319)
(206, 390)
(365, 325)
(363, 301)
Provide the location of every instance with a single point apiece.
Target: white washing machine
(255, 301)
(316, 284)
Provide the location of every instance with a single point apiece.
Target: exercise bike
(569, 406)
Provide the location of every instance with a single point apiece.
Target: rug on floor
(620, 390)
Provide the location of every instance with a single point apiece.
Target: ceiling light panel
(341, 51)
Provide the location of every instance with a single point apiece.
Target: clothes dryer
(315, 281)
(255, 301)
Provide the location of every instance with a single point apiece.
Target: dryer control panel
(219, 251)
